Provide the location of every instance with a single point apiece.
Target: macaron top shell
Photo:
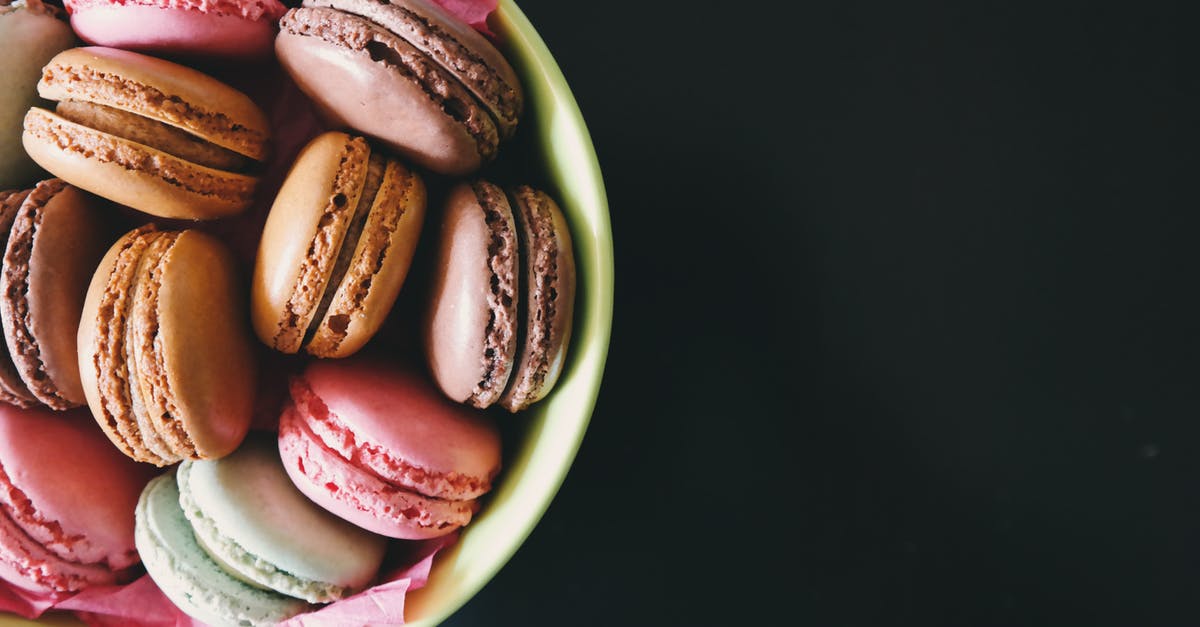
(249, 500)
(159, 90)
(402, 428)
(471, 325)
(81, 489)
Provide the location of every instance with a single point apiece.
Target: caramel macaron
(336, 247)
(147, 133)
(53, 236)
(502, 297)
(164, 355)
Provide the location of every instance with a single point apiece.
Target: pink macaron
(379, 446)
(212, 28)
(66, 502)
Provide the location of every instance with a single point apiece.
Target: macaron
(186, 574)
(147, 133)
(52, 242)
(12, 388)
(407, 73)
(378, 445)
(164, 353)
(253, 522)
(32, 33)
(66, 503)
(502, 296)
(226, 29)
(336, 247)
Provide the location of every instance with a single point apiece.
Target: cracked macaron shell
(470, 332)
(249, 517)
(199, 355)
(57, 237)
(142, 176)
(70, 494)
(361, 75)
(325, 212)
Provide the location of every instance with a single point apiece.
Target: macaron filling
(27, 356)
(365, 37)
(151, 133)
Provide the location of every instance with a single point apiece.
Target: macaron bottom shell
(188, 576)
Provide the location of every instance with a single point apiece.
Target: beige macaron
(165, 358)
(336, 247)
(147, 133)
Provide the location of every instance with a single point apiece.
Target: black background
(905, 327)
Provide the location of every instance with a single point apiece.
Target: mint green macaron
(232, 541)
(188, 576)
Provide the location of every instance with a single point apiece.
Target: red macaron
(379, 446)
(66, 502)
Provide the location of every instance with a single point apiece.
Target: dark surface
(905, 328)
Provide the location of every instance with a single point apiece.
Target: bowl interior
(556, 140)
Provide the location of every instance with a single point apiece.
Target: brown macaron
(12, 389)
(502, 296)
(54, 240)
(336, 247)
(147, 133)
(407, 73)
(164, 354)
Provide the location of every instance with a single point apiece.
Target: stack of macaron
(141, 341)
